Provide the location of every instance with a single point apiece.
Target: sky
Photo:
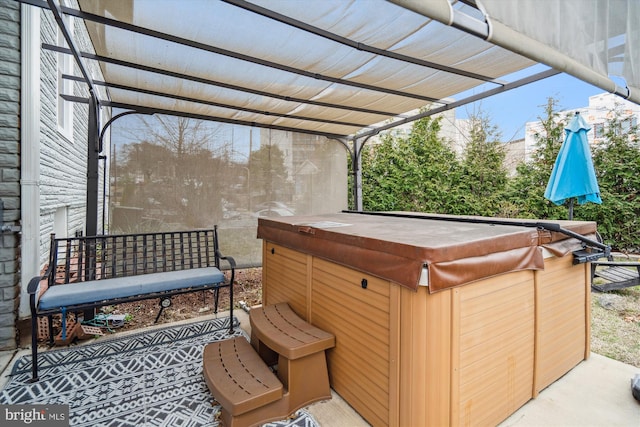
(511, 110)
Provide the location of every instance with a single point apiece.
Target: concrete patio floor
(595, 393)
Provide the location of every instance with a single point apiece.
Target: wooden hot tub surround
(470, 348)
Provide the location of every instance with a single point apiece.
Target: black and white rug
(147, 379)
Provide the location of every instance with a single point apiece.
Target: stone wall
(61, 176)
(9, 169)
(63, 157)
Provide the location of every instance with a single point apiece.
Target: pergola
(346, 70)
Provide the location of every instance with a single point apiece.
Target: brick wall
(9, 168)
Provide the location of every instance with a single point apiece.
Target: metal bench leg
(50, 318)
(231, 305)
(34, 349)
(216, 297)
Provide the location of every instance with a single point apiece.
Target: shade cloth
(336, 68)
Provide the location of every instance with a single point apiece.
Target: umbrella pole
(571, 209)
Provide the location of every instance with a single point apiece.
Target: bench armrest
(229, 259)
(232, 264)
(32, 287)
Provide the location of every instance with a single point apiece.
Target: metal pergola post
(93, 167)
(91, 221)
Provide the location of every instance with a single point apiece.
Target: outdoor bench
(238, 374)
(89, 272)
(617, 274)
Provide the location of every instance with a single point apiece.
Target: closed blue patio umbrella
(573, 174)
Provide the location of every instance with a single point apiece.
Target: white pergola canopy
(339, 68)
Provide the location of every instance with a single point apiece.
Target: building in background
(514, 155)
(312, 179)
(599, 111)
(454, 130)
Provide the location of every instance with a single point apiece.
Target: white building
(454, 130)
(600, 109)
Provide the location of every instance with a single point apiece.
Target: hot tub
(438, 320)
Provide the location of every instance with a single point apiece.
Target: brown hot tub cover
(396, 248)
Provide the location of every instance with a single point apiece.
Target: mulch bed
(247, 288)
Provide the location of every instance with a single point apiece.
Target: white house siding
(9, 168)
(62, 164)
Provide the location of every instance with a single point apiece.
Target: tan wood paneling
(395, 328)
(587, 310)
(562, 326)
(285, 271)
(425, 355)
(468, 355)
(360, 364)
(496, 348)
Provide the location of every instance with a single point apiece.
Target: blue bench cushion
(100, 290)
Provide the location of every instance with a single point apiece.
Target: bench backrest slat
(164, 253)
(106, 256)
(180, 256)
(112, 249)
(80, 262)
(67, 264)
(172, 253)
(125, 260)
(103, 257)
(199, 249)
(134, 256)
(145, 250)
(155, 254)
(216, 248)
(206, 246)
(190, 242)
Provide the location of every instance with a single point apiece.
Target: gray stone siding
(9, 169)
(63, 167)
(63, 156)
(63, 160)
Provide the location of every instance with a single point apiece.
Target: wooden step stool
(239, 380)
(238, 375)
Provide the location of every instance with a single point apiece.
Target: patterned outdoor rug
(147, 379)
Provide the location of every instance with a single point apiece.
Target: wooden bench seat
(238, 375)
